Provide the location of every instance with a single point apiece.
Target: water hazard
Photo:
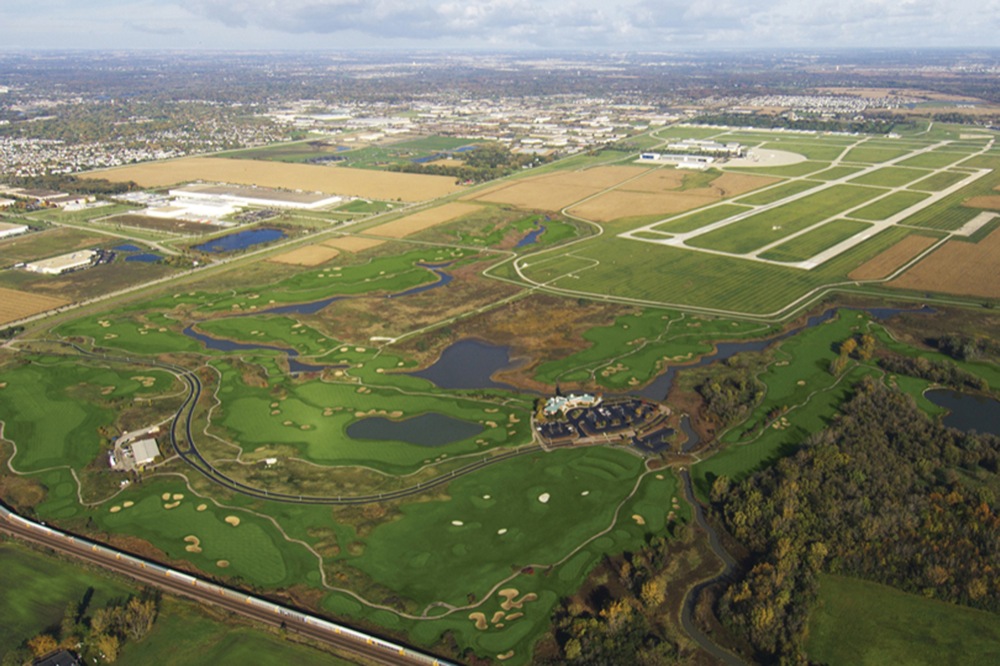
(425, 430)
(240, 241)
(967, 411)
(468, 364)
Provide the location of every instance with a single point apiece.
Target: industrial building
(7, 230)
(681, 161)
(64, 263)
(244, 196)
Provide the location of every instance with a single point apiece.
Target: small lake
(468, 364)
(967, 411)
(145, 257)
(241, 240)
(425, 430)
(531, 238)
(127, 247)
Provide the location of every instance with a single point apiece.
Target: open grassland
(15, 304)
(815, 240)
(308, 177)
(273, 330)
(937, 181)
(352, 243)
(700, 219)
(889, 177)
(933, 160)
(555, 191)
(411, 224)
(37, 588)
(671, 275)
(777, 193)
(886, 263)
(834, 173)
(766, 227)
(47, 243)
(876, 153)
(888, 206)
(819, 150)
(958, 267)
(860, 622)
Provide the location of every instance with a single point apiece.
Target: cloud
(153, 29)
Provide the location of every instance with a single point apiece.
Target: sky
(598, 25)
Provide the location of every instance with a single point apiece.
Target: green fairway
(766, 227)
(860, 622)
(816, 240)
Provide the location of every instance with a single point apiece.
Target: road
(370, 648)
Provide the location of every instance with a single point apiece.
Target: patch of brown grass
(966, 269)
(886, 262)
(555, 191)
(425, 219)
(310, 255)
(987, 201)
(352, 243)
(17, 304)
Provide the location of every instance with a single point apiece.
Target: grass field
(700, 219)
(777, 193)
(890, 177)
(47, 243)
(766, 227)
(816, 240)
(932, 160)
(938, 181)
(887, 207)
(873, 153)
(860, 622)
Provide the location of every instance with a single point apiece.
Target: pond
(531, 237)
(468, 364)
(145, 257)
(967, 411)
(241, 240)
(127, 247)
(425, 430)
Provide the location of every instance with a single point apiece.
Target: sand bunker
(233, 520)
(499, 615)
(584, 493)
(639, 520)
(457, 523)
(480, 621)
(510, 598)
(127, 504)
(502, 531)
(193, 544)
(171, 505)
(222, 564)
(178, 497)
(202, 507)
(544, 498)
(514, 616)
(505, 656)
(165, 497)
(115, 509)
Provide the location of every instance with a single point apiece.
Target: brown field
(966, 269)
(988, 202)
(17, 304)
(639, 198)
(558, 190)
(425, 219)
(620, 203)
(332, 180)
(352, 243)
(886, 262)
(310, 255)
(162, 224)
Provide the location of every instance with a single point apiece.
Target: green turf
(789, 170)
(932, 160)
(835, 173)
(816, 240)
(858, 622)
(889, 177)
(938, 181)
(702, 218)
(887, 207)
(810, 150)
(47, 243)
(771, 225)
(876, 153)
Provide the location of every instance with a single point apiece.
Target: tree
(108, 646)
(42, 644)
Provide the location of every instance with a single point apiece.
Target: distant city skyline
(598, 25)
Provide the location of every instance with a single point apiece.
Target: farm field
(417, 222)
(886, 263)
(553, 192)
(332, 180)
(859, 622)
(17, 304)
(957, 267)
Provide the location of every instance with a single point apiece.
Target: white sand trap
(659, 477)
(486, 497)
(498, 616)
(584, 493)
(115, 509)
(480, 621)
(457, 523)
(502, 531)
(193, 544)
(3, 385)
(344, 349)
(202, 507)
(222, 564)
(233, 520)
(165, 497)
(513, 616)
(544, 498)
(178, 497)
(505, 656)
(127, 504)
(171, 505)
(639, 520)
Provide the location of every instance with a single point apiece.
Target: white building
(240, 195)
(7, 230)
(63, 263)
